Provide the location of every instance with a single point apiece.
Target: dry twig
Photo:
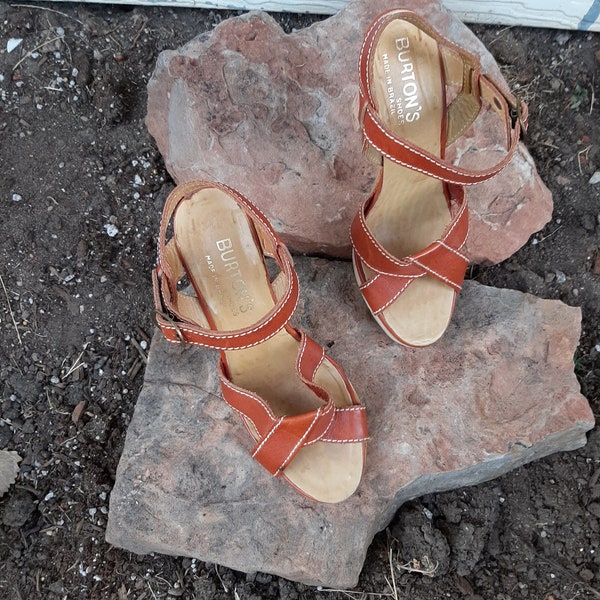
(47, 9)
(58, 37)
(12, 316)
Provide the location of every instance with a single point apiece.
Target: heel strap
(170, 269)
(462, 69)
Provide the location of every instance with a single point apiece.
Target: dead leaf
(76, 414)
(9, 469)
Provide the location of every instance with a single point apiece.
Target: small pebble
(17, 197)
(595, 178)
(560, 277)
(13, 43)
(111, 230)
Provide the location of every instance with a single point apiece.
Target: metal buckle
(516, 115)
(169, 319)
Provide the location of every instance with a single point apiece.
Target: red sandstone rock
(272, 114)
(497, 391)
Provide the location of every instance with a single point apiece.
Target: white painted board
(559, 14)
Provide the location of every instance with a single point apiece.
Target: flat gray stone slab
(496, 392)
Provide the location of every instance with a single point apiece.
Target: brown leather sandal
(418, 94)
(305, 418)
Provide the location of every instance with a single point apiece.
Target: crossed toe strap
(442, 259)
(280, 438)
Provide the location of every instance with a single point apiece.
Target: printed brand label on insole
(401, 83)
(228, 279)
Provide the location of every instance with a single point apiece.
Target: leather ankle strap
(462, 69)
(170, 269)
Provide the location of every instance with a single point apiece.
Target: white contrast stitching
(438, 275)
(448, 247)
(312, 377)
(300, 441)
(256, 398)
(264, 440)
(395, 297)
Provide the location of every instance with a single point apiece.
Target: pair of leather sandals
(418, 94)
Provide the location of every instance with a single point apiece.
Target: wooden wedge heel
(418, 94)
(306, 421)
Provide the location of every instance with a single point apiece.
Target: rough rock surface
(496, 392)
(272, 114)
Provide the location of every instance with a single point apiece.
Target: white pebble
(595, 178)
(17, 197)
(111, 230)
(13, 43)
(48, 496)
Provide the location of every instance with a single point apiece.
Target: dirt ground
(81, 190)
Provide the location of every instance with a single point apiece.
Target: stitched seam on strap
(301, 355)
(477, 178)
(367, 283)
(312, 377)
(242, 415)
(459, 254)
(207, 345)
(348, 441)
(438, 275)
(300, 441)
(395, 297)
(378, 246)
(412, 149)
(253, 397)
(237, 335)
(382, 250)
(266, 438)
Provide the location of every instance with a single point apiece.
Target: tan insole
(411, 211)
(227, 270)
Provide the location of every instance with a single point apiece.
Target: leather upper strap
(443, 259)
(461, 69)
(170, 270)
(281, 438)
